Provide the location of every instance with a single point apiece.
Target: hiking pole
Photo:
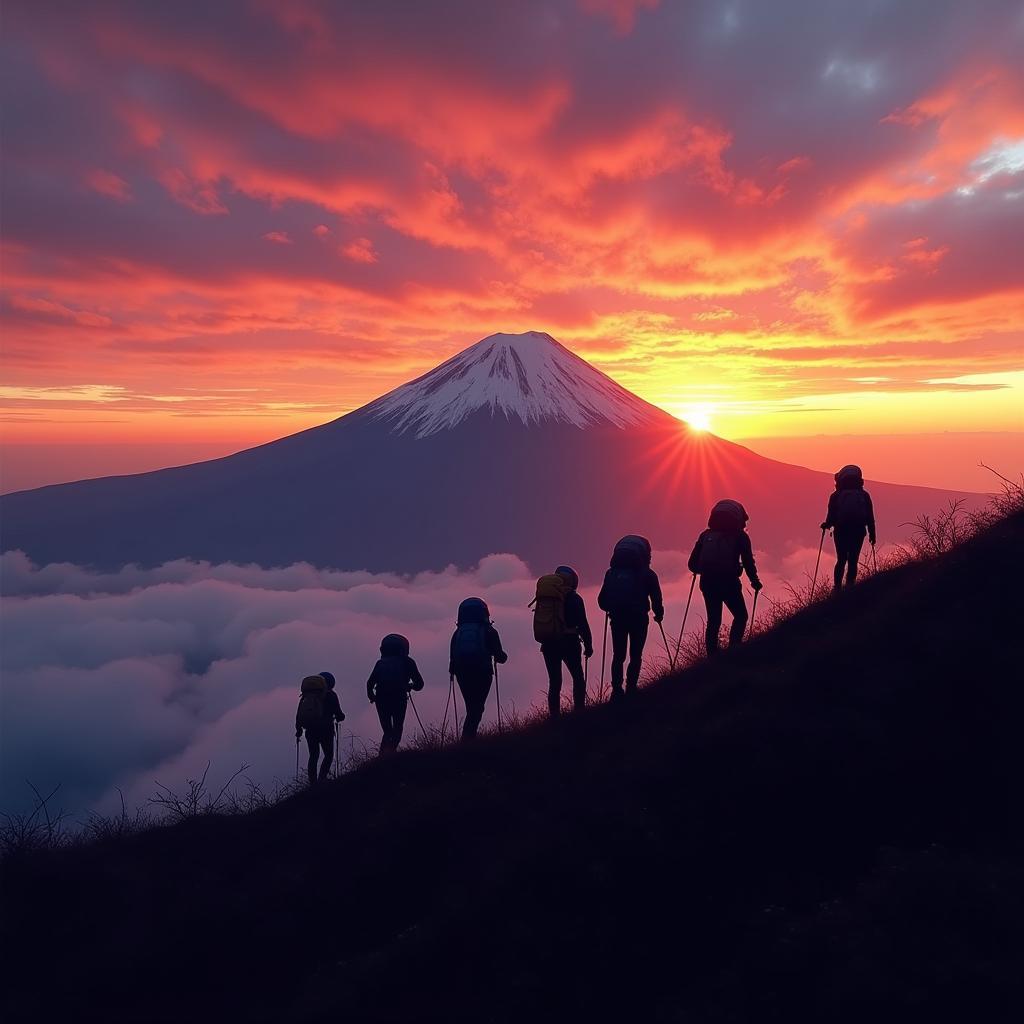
(497, 693)
(455, 706)
(447, 701)
(874, 560)
(664, 640)
(753, 612)
(817, 562)
(689, 598)
(423, 732)
(296, 757)
(337, 752)
(604, 649)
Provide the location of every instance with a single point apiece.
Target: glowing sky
(231, 220)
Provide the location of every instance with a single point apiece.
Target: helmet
(394, 643)
(570, 574)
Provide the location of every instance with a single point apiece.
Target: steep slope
(515, 445)
(823, 826)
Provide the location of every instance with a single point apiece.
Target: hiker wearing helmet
(475, 648)
(317, 712)
(394, 675)
(850, 516)
(721, 555)
(560, 627)
(631, 589)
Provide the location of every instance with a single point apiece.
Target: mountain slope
(529, 377)
(514, 445)
(822, 826)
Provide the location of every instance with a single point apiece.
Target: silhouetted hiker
(317, 712)
(474, 649)
(721, 554)
(560, 627)
(630, 590)
(394, 675)
(850, 516)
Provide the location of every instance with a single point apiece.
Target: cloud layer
(776, 201)
(117, 680)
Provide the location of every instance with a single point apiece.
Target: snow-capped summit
(530, 377)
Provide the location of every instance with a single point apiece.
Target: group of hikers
(629, 594)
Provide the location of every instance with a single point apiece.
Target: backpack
(311, 712)
(394, 644)
(718, 554)
(549, 608)
(632, 551)
(727, 515)
(849, 476)
(473, 609)
(624, 591)
(851, 508)
(469, 647)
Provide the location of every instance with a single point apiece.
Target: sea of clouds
(118, 680)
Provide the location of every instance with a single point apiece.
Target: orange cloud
(685, 193)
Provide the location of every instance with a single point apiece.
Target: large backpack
(718, 553)
(473, 609)
(727, 515)
(311, 712)
(633, 552)
(849, 477)
(469, 648)
(851, 508)
(624, 591)
(549, 608)
(394, 644)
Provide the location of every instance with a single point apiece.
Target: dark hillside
(825, 827)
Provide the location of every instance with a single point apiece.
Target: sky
(223, 222)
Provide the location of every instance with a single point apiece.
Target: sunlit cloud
(705, 203)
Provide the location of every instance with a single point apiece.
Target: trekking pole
(817, 562)
(604, 648)
(296, 757)
(497, 694)
(753, 612)
(455, 706)
(689, 598)
(423, 732)
(668, 651)
(444, 721)
(874, 560)
(337, 751)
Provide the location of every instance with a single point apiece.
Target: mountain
(822, 826)
(515, 444)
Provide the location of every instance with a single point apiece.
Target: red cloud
(109, 184)
(360, 250)
(689, 182)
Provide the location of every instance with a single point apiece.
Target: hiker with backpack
(394, 675)
(850, 516)
(315, 716)
(631, 589)
(560, 627)
(723, 552)
(475, 648)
